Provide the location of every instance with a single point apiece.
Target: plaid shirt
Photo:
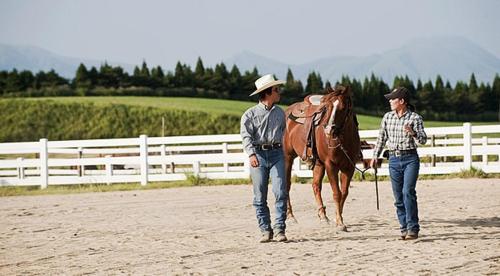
(392, 132)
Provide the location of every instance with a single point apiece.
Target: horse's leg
(288, 170)
(333, 177)
(345, 181)
(318, 174)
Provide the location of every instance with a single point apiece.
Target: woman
(401, 128)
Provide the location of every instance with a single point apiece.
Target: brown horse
(337, 144)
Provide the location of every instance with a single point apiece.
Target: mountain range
(454, 58)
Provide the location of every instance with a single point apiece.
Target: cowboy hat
(265, 82)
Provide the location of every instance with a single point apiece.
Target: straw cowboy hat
(265, 82)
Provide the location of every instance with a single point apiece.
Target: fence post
(467, 146)
(224, 150)
(109, 169)
(445, 158)
(20, 168)
(163, 164)
(80, 167)
(485, 156)
(196, 168)
(143, 146)
(433, 157)
(44, 168)
(296, 166)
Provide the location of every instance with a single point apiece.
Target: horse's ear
(348, 90)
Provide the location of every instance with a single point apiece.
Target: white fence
(146, 159)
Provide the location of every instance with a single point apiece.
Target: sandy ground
(212, 230)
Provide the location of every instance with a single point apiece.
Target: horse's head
(339, 104)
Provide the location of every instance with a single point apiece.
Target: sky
(294, 32)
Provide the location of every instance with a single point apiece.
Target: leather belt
(268, 146)
(402, 152)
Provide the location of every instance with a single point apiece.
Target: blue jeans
(404, 173)
(271, 164)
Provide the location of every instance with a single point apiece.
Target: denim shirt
(260, 125)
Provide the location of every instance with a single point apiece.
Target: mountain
(36, 59)
(453, 58)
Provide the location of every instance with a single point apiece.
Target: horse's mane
(335, 92)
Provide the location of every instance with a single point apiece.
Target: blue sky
(163, 32)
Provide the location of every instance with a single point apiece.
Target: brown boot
(280, 237)
(411, 235)
(267, 236)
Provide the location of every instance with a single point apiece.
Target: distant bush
(31, 120)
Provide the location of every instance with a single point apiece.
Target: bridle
(334, 131)
(331, 129)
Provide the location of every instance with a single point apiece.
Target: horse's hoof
(292, 219)
(342, 228)
(324, 220)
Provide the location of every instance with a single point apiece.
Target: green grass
(214, 106)
(211, 106)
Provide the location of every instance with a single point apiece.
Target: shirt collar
(407, 112)
(265, 107)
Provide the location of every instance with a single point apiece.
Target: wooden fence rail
(146, 159)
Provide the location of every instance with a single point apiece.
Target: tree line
(437, 99)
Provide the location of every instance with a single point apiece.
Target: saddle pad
(315, 99)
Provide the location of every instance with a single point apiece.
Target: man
(262, 129)
(401, 128)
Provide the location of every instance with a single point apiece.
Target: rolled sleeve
(246, 131)
(421, 136)
(381, 139)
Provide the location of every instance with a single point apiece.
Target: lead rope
(352, 163)
(363, 173)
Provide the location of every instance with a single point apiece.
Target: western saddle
(309, 113)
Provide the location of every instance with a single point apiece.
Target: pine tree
(314, 84)
(495, 93)
(293, 90)
(438, 97)
(199, 74)
(235, 83)
(82, 79)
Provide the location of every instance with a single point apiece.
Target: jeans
(271, 165)
(404, 173)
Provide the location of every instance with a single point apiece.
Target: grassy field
(212, 106)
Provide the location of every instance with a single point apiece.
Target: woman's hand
(374, 164)
(408, 129)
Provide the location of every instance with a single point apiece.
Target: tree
(199, 74)
(293, 89)
(235, 83)
(157, 76)
(314, 83)
(439, 103)
(13, 82)
(495, 92)
(82, 79)
(26, 80)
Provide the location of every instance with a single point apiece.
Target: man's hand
(253, 161)
(374, 163)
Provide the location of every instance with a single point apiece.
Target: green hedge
(29, 121)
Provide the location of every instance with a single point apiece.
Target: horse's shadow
(469, 222)
(474, 223)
